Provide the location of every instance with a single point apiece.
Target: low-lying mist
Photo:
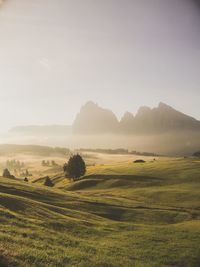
(171, 143)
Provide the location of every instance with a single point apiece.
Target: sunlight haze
(100, 133)
(56, 55)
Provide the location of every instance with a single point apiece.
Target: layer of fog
(176, 143)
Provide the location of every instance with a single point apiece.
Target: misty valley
(150, 130)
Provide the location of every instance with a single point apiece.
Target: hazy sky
(57, 54)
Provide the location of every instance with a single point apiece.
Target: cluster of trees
(17, 167)
(25, 173)
(7, 174)
(48, 163)
(14, 164)
(75, 168)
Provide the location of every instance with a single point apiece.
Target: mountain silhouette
(159, 120)
(162, 130)
(93, 119)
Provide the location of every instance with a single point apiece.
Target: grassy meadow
(119, 214)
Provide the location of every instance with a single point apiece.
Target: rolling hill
(119, 214)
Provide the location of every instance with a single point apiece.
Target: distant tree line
(106, 151)
(120, 151)
(14, 164)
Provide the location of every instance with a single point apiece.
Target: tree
(53, 163)
(75, 167)
(48, 182)
(7, 174)
(43, 163)
(65, 168)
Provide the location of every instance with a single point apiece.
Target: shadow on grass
(109, 181)
(5, 262)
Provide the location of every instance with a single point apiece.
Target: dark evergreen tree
(75, 168)
(6, 174)
(65, 168)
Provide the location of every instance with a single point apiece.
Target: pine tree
(6, 173)
(75, 168)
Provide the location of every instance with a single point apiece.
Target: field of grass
(120, 214)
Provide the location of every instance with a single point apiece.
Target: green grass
(120, 214)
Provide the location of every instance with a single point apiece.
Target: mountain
(162, 130)
(127, 123)
(93, 119)
(159, 120)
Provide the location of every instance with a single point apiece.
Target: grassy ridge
(121, 214)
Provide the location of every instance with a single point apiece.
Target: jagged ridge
(93, 119)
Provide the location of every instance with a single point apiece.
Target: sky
(122, 54)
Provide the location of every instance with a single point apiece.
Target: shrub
(139, 161)
(48, 182)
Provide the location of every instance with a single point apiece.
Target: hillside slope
(122, 214)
